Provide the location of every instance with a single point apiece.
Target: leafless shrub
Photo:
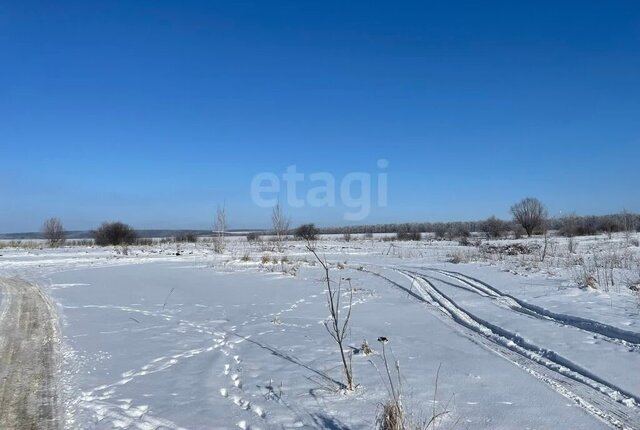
(114, 233)
(346, 237)
(53, 232)
(266, 258)
(494, 228)
(598, 270)
(440, 231)
(456, 258)
(253, 237)
(246, 257)
(186, 237)
(512, 249)
(219, 229)
(307, 232)
(79, 242)
(19, 244)
(609, 225)
(518, 231)
(337, 326)
(458, 231)
(628, 221)
(568, 225)
(584, 278)
(408, 236)
(280, 225)
(530, 213)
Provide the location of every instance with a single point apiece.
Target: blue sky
(155, 112)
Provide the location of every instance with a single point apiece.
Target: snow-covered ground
(199, 340)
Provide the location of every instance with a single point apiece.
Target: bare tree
(569, 225)
(280, 225)
(53, 232)
(628, 221)
(219, 229)
(530, 213)
(336, 327)
(494, 228)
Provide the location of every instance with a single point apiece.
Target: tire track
(28, 358)
(598, 397)
(605, 331)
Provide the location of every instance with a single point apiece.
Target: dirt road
(28, 358)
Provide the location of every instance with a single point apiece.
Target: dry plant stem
(337, 330)
(396, 396)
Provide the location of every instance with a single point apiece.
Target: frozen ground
(157, 340)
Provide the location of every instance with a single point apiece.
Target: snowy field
(172, 337)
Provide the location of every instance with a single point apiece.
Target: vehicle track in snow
(604, 331)
(28, 358)
(597, 396)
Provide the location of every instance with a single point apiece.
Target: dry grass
(391, 417)
(393, 414)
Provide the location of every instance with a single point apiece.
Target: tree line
(529, 217)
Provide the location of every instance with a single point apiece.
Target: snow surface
(199, 340)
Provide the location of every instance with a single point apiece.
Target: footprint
(259, 411)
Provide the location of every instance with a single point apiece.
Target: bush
(494, 227)
(440, 231)
(458, 232)
(253, 237)
(518, 231)
(609, 225)
(114, 233)
(569, 226)
(308, 232)
(408, 235)
(187, 237)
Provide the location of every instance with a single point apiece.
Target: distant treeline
(572, 225)
(142, 234)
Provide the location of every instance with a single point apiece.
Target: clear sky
(154, 112)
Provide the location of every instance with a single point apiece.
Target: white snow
(200, 340)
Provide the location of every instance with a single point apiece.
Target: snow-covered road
(28, 358)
